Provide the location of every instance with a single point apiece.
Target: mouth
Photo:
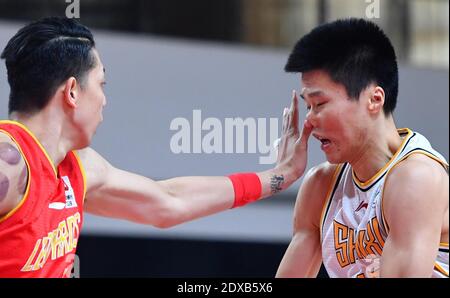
(326, 143)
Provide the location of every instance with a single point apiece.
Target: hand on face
(293, 145)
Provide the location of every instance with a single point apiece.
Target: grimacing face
(91, 102)
(339, 123)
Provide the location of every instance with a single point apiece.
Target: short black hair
(354, 52)
(41, 56)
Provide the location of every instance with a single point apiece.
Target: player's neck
(379, 147)
(48, 127)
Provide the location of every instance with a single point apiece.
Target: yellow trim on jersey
(380, 172)
(418, 151)
(35, 139)
(83, 173)
(27, 189)
(440, 269)
(328, 197)
(443, 244)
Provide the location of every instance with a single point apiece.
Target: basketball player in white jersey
(379, 206)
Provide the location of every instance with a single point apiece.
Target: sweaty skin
(9, 154)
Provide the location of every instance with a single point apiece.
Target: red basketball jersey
(38, 238)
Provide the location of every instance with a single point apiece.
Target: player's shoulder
(96, 167)
(91, 158)
(13, 174)
(416, 181)
(86, 154)
(417, 169)
(4, 137)
(9, 150)
(313, 191)
(320, 175)
(413, 186)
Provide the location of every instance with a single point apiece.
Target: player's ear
(70, 92)
(376, 99)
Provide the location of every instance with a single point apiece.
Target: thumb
(306, 132)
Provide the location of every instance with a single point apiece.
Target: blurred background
(166, 58)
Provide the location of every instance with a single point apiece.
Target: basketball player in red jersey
(49, 175)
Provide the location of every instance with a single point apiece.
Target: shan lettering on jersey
(351, 245)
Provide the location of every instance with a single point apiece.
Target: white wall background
(153, 80)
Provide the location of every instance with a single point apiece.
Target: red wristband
(247, 188)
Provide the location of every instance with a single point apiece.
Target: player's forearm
(276, 180)
(303, 256)
(194, 197)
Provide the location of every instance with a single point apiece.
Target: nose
(312, 117)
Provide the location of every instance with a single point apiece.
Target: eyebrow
(312, 94)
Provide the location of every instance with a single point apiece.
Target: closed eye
(308, 107)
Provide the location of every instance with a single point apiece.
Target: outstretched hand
(293, 145)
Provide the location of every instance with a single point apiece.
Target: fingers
(285, 119)
(293, 99)
(294, 110)
(306, 132)
(290, 116)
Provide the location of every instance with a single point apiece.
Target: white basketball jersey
(353, 228)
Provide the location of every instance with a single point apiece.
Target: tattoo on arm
(276, 183)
